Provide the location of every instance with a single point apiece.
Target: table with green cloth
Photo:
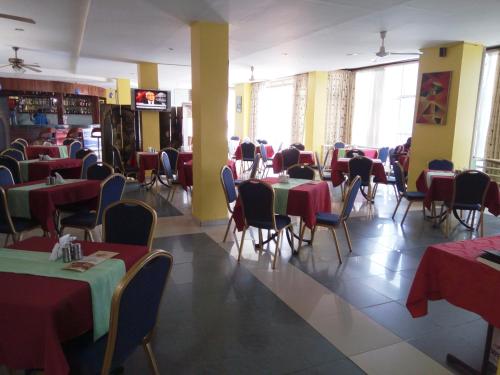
(34, 151)
(42, 307)
(39, 201)
(32, 170)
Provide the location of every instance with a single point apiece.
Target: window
(384, 105)
(231, 105)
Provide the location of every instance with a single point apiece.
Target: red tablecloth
(184, 157)
(32, 152)
(44, 202)
(68, 168)
(441, 189)
(371, 153)
(450, 271)
(304, 200)
(306, 157)
(38, 313)
(341, 167)
(147, 161)
(185, 172)
(269, 152)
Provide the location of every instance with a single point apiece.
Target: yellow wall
(242, 119)
(123, 91)
(453, 140)
(314, 126)
(113, 99)
(209, 70)
(150, 121)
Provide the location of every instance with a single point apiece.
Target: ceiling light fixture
(252, 78)
(19, 29)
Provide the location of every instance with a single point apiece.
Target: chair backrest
(117, 160)
(167, 168)
(87, 161)
(354, 152)
(301, 171)
(228, 186)
(19, 146)
(80, 154)
(68, 141)
(255, 166)
(247, 151)
(111, 191)
(440, 165)
(99, 171)
(350, 198)
(257, 201)
(14, 154)
(470, 187)
(399, 175)
(134, 307)
(361, 166)
(319, 167)
(73, 148)
(6, 178)
(129, 222)
(173, 156)
(327, 162)
(290, 157)
(263, 152)
(13, 166)
(234, 138)
(339, 145)
(5, 219)
(298, 146)
(21, 140)
(261, 141)
(47, 144)
(383, 153)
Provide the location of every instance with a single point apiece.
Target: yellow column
(150, 121)
(242, 119)
(452, 141)
(209, 71)
(314, 127)
(110, 96)
(123, 91)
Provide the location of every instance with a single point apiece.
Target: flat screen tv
(151, 100)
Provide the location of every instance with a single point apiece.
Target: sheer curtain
(493, 145)
(384, 104)
(339, 110)
(299, 108)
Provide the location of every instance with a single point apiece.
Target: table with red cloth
(185, 172)
(371, 153)
(341, 167)
(146, 161)
(39, 170)
(305, 157)
(304, 200)
(43, 202)
(33, 152)
(38, 313)
(441, 189)
(269, 151)
(184, 157)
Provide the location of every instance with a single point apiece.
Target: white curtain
(299, 108)
(340, 99)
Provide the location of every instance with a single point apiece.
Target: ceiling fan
(382, 52)
(18, 64)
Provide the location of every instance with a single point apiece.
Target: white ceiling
(94, 41)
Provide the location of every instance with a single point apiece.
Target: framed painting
(433, 98)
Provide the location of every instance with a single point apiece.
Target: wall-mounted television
(151, 100)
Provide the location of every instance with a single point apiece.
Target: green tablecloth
(281, 193)
(24, 167)
(102, 279)
(63, 152)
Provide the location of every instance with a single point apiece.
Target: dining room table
(38, 313)
(146, 161)
(305, 157)
(371, 153)
(32, 170)
(451, 271)
(269, 151)
(39, 201)
(340, 168)
(34, 151)
(185, 172)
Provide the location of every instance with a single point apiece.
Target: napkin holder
(56, 252)
(59, 179)
(284, 179)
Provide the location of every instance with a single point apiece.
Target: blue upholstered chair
(469, 193)
(23, 141)
(120, 167)
(80, 154)
(74, 147)
(266, 162)
(134, 312)
(111, 191)
(13, 153)
(68, 141)
(298, 146)
(440, 165)
(13, 166)
(173, 156)
(289, 157)
(247, 156)
(99, 171)
(257, 201)
(383, 154)
(331, 221)
(18, 145)
(354, 152)
(168, 171)
(12, 226)
(302, 171)
(129, 222)
(362, 166)
(410, 196)
(255, 166)
(339, 145)
(87, 161)
(229, 188)
(6, 178)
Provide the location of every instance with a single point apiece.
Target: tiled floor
(311, 315)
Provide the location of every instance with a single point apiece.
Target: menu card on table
(90, 261)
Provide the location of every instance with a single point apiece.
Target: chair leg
(20, 236)
(260, 239)
(6, 239)
(151, 358)
(481, 222)
(227, 228)
(91, 237)
(395, 191)
(336, 244)
(406, 212)
(241, 243)
(349, 243)
(278, 248)
(313, 232)
(400, 198)
(290, 228)
(302, 229)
